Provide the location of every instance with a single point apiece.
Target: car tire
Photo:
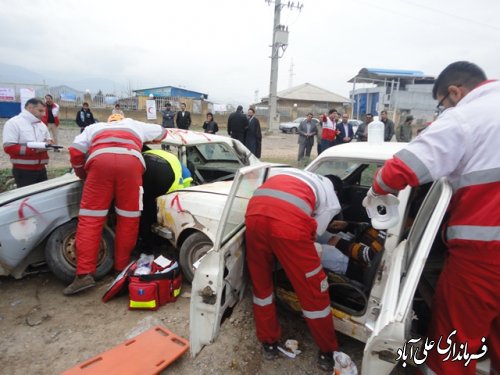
(60, 252)
(294, 130)
(192, 249)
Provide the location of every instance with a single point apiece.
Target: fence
(287, 113)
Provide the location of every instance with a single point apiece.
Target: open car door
(219, 280)
(392, 326)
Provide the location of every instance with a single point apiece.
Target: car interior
(209, 162)
(350, 294)
(347, 294)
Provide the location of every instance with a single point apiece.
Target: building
(66, 94)
(297, 101)
(171, 91)
(400, 92)
(194, 100)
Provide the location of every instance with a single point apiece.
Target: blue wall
(170, 91)
(367, 104)
(9, 109)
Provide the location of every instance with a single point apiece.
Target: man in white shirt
(24, 139)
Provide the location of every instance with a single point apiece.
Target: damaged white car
(38, 222)
(384, 307)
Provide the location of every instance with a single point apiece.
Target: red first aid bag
(148, 292)
(151, 291)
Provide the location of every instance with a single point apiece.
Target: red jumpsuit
(279, 223)
(109, 156)
(462, 144)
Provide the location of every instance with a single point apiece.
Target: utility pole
(256, 96)
(280, 42)
(290, 77)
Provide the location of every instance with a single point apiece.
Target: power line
(441, 12)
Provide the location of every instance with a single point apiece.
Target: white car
(38, 222)
(389, 306)
(355, 124)
(293, 126)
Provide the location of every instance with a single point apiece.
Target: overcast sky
(221, 47)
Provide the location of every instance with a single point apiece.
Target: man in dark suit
(237, 125)
(346, 133)
(307, 133)
(183, 118)
(253, 139)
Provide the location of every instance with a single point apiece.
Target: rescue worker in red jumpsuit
(108, 156)
(461, 144)
(282, 220)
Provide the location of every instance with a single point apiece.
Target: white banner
(26, 94)
(7, 94)
(151, 109)
(220, 108)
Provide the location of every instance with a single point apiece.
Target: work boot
(326, 361)
(270, 351)
(80, 283)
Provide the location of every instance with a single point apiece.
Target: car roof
(180, 137)
(362, 151)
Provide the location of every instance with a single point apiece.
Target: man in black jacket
(84, 117)
(388, 126)
(237, 125)
(183, 119)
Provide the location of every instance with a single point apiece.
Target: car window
(420, 225)
(245, 188)
(216, 151)
(367, 175)
(338, 167)
(422, 235)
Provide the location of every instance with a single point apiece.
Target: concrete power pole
(291, 74)
(280, 42)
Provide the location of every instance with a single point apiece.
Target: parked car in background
(355, 124)
(387, 304)
(293, 126)
(38, 222)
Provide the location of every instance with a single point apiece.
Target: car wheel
(60, 252)
(192, 249)
(294, 130)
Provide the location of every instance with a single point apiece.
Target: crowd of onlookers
(334, 129)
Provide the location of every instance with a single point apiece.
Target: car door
(391, 329)
(220, 279)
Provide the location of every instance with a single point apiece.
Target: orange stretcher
(146, 354)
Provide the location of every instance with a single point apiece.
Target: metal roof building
(310, 93)
(171, 91)
(394, 90)
(297, 101)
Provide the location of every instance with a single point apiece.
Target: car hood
(221, 187)
(12, 195)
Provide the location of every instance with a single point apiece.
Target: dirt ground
(43, 332)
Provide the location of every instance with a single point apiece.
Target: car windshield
(217, 151)
(339, 167)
